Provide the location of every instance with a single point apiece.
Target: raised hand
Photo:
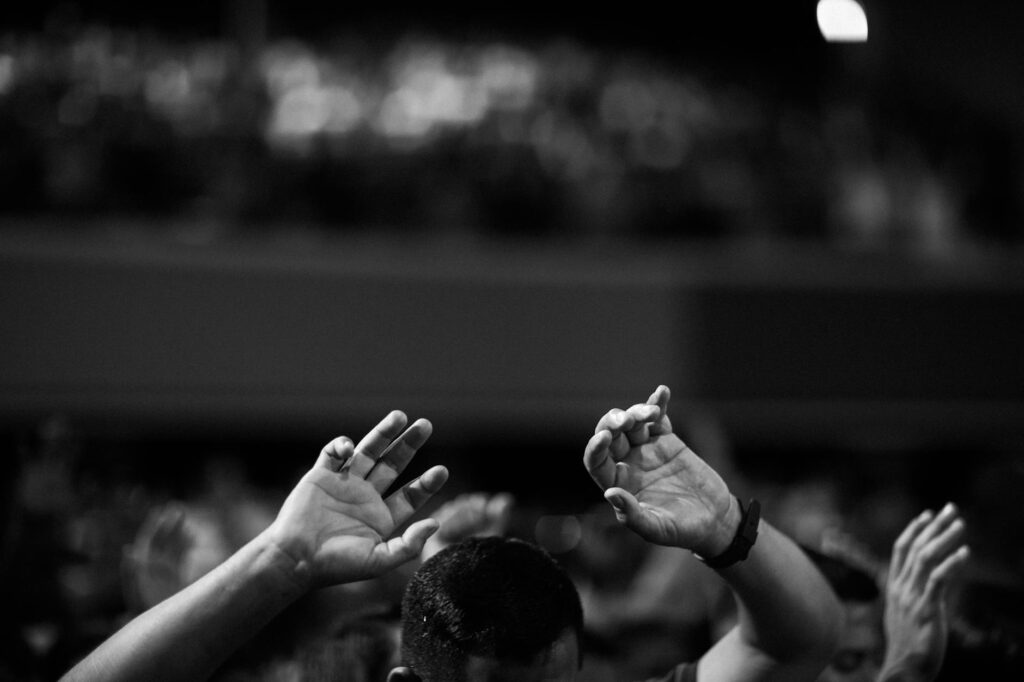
(469, 515)
(336, 523)
(926, 557)
(659, 487)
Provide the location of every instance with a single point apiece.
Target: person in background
(897, 621)
(862, 644)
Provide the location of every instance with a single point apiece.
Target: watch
(745, 537)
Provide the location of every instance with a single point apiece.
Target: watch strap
(746, 536)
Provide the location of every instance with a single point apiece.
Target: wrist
(723, 531)
(286, 560)
(743, 540)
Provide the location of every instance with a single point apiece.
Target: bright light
(301, 112)
(842, 21)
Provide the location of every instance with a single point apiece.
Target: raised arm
(334, 527)
(789, 619)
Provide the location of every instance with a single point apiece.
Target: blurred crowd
(92, 540)
(553, 138)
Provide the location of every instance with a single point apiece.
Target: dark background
(188, 300)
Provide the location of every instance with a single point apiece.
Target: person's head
(862, 644)
(490, 609)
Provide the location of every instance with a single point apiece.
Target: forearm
(786, 609)
(189, 634)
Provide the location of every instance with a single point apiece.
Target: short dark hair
(494, 597)
(851, 584)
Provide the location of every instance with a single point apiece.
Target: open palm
(658, 486)
(336, 521)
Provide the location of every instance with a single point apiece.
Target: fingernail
(949, 508)
(617, 503)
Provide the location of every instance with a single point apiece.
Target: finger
(468, 519)
(413, 495)
(449, 509)
(393, 460)
(639, 434)
(615, 420)
(623, 476)
(499, 511)
(398, 550)
(619, 447)
(933, 529)
(901, 547)
(336, 454)
(167, 526)
(597, 458)
(643, 416)
(644, 412)
(375, 442)
(660, 399)
(945, 573)
(148, 529)
(936, 551)
(172, 537)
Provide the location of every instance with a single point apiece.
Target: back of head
(497, 598)
(850, 583)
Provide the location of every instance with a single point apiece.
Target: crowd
(555, 138)
(691, 561)
(109, 574)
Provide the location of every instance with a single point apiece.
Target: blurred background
(232, 230)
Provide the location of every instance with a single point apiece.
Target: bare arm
(789, 619)
(333, 528)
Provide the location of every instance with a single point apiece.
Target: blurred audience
(88, 545)
(555, 139)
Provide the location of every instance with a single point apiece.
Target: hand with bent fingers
(336, 523)
(926, 557)
(470, 515)
(659, 487)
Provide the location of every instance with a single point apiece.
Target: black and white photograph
(512, 342)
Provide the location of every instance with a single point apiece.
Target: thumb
(408, 546)
(627, 509)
